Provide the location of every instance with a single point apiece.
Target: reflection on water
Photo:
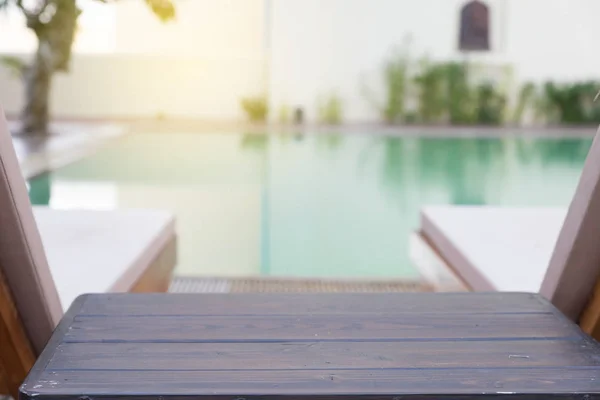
(311, 205)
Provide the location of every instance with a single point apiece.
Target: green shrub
(491, 105)
(573, 103)
(526, 99)
(396, 79)
(431, 84)
(330, 110)
(285, 115)
(461, 104)
(256, 108)
(444, 92)
(411, 118)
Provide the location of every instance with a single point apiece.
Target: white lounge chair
(551, 251)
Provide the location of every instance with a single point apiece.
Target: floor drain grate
(272, 285)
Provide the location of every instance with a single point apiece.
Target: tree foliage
(54, 23)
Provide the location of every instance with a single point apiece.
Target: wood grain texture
(269, 328)
(293, 304)
(323, 382)
(590, 318)
(16, 355)
(574, 266)
(323, 347)
(4, 391)
(323, 355)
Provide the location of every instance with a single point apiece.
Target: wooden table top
(368, 346)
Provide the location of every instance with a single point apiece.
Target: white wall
(331, 45)
(554, 39)
(218, 51)
(198, 66)
(123, 86)
(210, 29)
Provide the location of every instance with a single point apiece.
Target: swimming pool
(323, 205)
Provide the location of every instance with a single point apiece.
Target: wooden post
(3, 383)
(590, 318)
(574, 265)
(16, 355)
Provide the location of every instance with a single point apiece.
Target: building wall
(198, 66)
(223, 29)
(319, 46)
(125, 86)
(297, 50)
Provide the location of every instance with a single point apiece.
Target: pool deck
(39, 154)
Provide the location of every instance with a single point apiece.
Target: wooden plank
(590, 318)
(316, 327)
(358, 382)
(574, 266)
(24, 264)
(292, 304)
(4, 390)
(16, 355)
(322, 355)
(235, 361)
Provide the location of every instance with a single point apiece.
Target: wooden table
(367, 346)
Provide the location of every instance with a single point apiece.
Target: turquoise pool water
(315, 205)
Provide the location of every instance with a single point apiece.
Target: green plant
(395, 80)
(573, 103)
(330, 110)
(526, 99)
(411, 117)
(431, 84)
(491, 105)
(256, 108)
(564, 99)
(285, 115)
(461, 108)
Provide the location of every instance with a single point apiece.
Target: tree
(54, 23)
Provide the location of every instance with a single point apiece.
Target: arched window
(474, 27)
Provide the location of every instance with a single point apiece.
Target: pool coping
(365, 128)
(75, 142)
(98, 135)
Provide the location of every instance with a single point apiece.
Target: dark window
(474, 27)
